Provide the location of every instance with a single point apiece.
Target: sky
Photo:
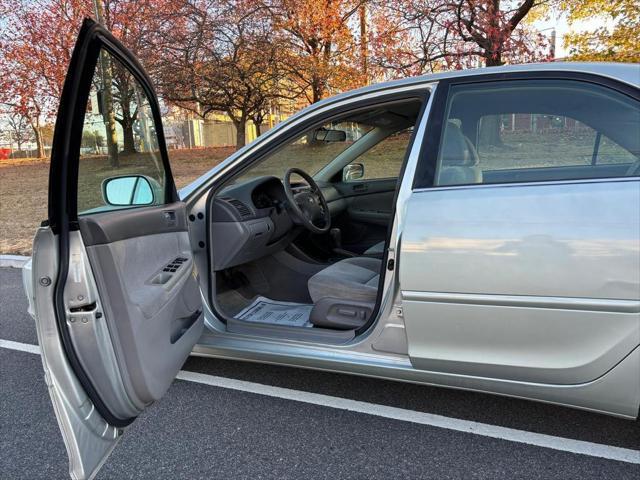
(559, 22)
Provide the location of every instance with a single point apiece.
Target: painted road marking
(467, 426)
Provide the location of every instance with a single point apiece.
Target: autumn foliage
(243, 57)
(619, 42)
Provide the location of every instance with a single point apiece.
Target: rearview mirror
(329, 136)
(353, 171)
(127, 191)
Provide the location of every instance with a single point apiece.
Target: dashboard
(250, 220)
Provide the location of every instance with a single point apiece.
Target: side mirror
(329, 136)
(127, 191)
(353, 171)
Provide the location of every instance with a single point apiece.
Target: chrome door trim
(568, 303)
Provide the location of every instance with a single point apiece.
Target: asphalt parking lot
(206, 431)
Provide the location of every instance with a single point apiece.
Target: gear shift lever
(336, 237)
(336, 240)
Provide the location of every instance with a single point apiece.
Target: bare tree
(19, 130)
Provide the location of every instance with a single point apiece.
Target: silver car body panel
(552, 267)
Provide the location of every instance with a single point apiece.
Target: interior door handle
(170, 218)
(361, 187)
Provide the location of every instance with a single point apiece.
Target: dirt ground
(24, 184)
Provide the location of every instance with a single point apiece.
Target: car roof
(624, 72)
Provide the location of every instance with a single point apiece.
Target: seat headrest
(456, 149)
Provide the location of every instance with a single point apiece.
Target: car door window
(537, 130)
(385, 159)
(119, 154)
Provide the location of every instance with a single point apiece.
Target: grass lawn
(24, 184)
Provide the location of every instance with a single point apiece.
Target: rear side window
(537, 130)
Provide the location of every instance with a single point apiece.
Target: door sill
(280, 332)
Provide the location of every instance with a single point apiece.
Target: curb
(13, 261)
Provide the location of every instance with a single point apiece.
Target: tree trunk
(241, 131)
(258, 125)
(490, 126)
(316, 88)
(39, 143)
(493, 59)
(123, 83)
(364, 46)
(108, 115)
(129, 146)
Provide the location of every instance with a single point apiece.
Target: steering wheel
(308, 206)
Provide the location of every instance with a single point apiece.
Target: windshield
(311, 151)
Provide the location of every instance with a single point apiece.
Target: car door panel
(535, 279)
(156, 314)
(374, 208)
(369, 207)
(552, 268)
(87, 437)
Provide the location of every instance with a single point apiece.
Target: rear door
(117, 302)
(519, 258)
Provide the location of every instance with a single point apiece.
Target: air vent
(240, 207)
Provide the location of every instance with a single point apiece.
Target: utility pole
(364, 44)
(107, 95)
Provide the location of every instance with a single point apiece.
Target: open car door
(117, 303)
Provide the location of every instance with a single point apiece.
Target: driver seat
(344, 294)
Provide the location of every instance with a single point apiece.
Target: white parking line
(503, 433)
(13, 261)
(23, 347)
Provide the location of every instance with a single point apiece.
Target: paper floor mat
(265, 310)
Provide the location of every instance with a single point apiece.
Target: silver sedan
(476, 229)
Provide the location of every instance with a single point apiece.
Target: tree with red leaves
(36, 44)
(37, 39)
(321, 46)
